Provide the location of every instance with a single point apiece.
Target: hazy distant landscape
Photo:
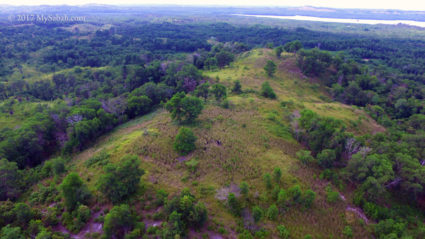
(170, 121)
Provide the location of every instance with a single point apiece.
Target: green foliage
(224, 58)
(282, 198)
(23, 214)
(257, 213)
(74, 191)
(304, 156)
(138, 105)
(308, 198)
(120, 181)
(295, 193)
(277, 175)
(9, 232)
(389, 228)
(9, 180)
(268, 180)
(313, 62)
(245, 235)
(244, 188)
(184, 142)
(270, 68)
(233, 204)
(308, 236)
(293, 46)
(347, 232)
(118, 221)
(100, 158)
(278, 51)
(219, 91)
(237, 87)
(272, 212)
(267, 91)
(331, 196)
(184, 109)
(326, 158)
(283, 232)
(203, 90)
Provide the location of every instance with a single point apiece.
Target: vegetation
(184, 142)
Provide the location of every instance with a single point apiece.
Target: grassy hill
(239, 143)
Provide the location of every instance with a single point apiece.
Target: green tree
(184, 142)
(278, 51)
(74, 191)
(23, 214)
(257, 213)
(272, 212)
(233, 204)
(9, 180)
(308, 198)
(118, 222)
(270, 68)
(184, 109)
(138, 105)
(268, 180)
(9, 232)
(219, 91)
(304, 156)
(121, 180)
(277, 175)
(326, 158)
(203, 90)
(283, 232)
(347, 232)
(282, 198)
(244, 188)
(237, 87)
(224, 58)
(267, 91)
(295, 193)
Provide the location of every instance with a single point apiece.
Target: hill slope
(241, 143)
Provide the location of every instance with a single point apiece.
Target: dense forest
(63, 86)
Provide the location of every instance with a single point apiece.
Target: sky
(367, 4)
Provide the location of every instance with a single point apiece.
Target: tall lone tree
(183, 108)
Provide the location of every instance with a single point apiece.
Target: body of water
(340, 20)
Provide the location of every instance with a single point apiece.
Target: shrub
(277, 175)
(272, 212)
(295, 193)
(219, 91)
(237, 87)
(184, 109)
(309, 196)
(347, 232)
(233, 204)
(267, 91)
(326, 158)
(75, 192)
(304, 156)
(184, 142)
(282, 198)
(331, 196)
(257, 213)
(23, 213)
(118, 221)
(121, 180)
(270, 68)
(268, 180)
(244, 188)
(283, 232)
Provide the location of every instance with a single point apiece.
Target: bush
(283, 232)
(267, 91)
(331, 196)
(308, 198)
(270, 68)
(121, 180)
(184, 142)
(237, 87)
(23, 214)
(347, 232)
(233, 204)
(295, 193)
(244, 188)
(282, 198)
(277, 175)
(118, 221)
(272, 212)
(326, 158)
(268, 180)
(304, 156)
(219, 91)
(184, 109)
(75, 192)
(257, 213)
